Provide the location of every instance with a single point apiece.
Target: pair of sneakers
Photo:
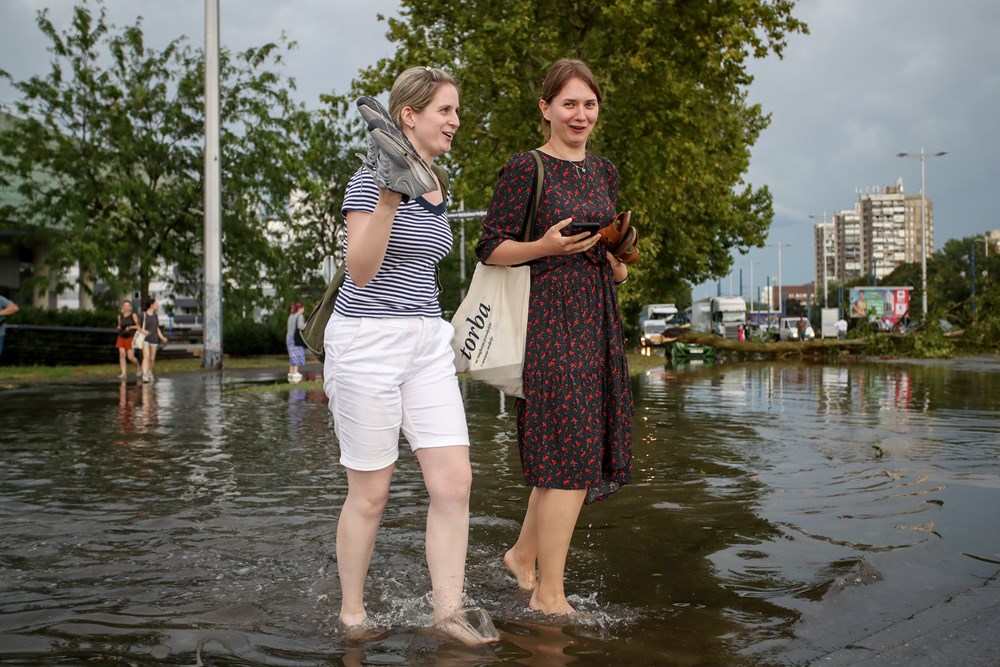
(392, 160)
(621, 238)
(295, 377)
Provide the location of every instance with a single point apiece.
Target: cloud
(873, 79)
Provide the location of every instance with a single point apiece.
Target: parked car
(788, 329)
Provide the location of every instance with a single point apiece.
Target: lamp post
(781, 301)
(923, 221)
(825, 269)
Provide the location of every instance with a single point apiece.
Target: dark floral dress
(574, 425)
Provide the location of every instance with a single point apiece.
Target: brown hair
(416, 88)
(558, 76)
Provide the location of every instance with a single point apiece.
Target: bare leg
(521, 558)
(367, 493)
(556, 512)
(152, 357)
(121, 361)
(130, 353)
(448, 477)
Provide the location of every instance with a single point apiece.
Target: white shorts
(386, 375)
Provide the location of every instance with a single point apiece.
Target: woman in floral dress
(574, 424)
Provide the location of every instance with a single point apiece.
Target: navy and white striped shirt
(406, 283)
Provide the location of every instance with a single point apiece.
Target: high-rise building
(825, 237)
(850, 244)
(883, 231)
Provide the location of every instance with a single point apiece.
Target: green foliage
(676, 119)
(64, 317)
(320, 160)
(107, 159)
(245, 337)
(930, 342)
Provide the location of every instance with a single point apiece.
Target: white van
(789, 329)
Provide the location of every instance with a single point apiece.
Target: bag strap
(442, 177)
(537, 196)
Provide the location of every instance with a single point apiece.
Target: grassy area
(24, 374)
(15, 375)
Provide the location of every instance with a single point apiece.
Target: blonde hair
(415, 88)
(558, 76)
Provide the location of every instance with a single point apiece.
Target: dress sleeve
(509, 205)
(613, 183)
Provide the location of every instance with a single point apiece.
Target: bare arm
(368, 237)
(512, 252)
(10, 309)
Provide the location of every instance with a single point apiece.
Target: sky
(872, 79)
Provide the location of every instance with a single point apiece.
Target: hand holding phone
(578, 226)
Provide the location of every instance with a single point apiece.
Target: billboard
(888, 303)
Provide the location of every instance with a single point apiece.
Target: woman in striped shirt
(389, 367)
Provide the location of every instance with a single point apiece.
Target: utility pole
(781, 300)
(923, 221)
(212, 280)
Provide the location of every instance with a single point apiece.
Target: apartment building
(883, 231)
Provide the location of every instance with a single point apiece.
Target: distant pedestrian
(841, 327)
(296, 351)
(128, 324)
(801, 327)
(154, 338)
(7, 307)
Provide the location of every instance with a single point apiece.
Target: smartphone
(578, 226)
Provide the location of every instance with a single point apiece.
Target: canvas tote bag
(491, 324)
(138, 338)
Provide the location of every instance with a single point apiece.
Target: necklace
(578, 165)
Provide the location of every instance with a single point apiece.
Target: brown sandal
(612, 235)
(628, 250)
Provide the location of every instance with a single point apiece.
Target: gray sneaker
(370, 160)
(398, 166)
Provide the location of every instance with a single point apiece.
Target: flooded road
(778, 511)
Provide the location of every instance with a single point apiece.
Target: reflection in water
(182, 519)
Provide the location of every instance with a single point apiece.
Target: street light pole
(923, 221)
(781, 301)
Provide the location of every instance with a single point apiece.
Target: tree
(676, 119)
(950, 275)
(108, 157)
(321, 159)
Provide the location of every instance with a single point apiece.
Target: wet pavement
(781, 514)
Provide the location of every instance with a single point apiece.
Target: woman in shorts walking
(389, 365)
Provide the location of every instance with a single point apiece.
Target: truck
(654, 319)
(721, 315)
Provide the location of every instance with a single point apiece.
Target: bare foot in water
(554, 607)
(471, 626)
(359, 630)
(525, 575)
